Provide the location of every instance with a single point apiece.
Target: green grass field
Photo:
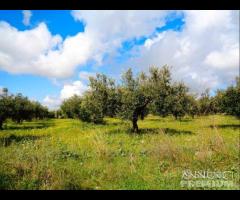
(69, 154)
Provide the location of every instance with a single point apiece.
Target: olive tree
(6, 106)
(139, 92)
(228, 100)
(132, 100)
(19, 108)
(71, 107)
(102, 99)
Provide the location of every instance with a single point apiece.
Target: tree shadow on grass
(167, 131)
(7, 141)
(142, 131)
(11, 182)
(28, 126)
(185, 120)
(72, 186)
(114, 123)
(165, 119)
(156, 119)
(6, 181)
(231, 126)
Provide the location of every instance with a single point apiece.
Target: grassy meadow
(70, 154)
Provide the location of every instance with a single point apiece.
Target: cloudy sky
(49, 55)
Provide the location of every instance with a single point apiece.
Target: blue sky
(59, 22)
(80, 44)
(30, 85)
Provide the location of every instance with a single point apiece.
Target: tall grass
(70, 154)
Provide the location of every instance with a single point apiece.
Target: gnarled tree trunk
(138, 112)
(134, 122)
(1, 124)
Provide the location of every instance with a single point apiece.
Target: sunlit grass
(70, 154)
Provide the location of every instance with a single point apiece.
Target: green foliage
(136, 94)
(179, 100)
(170, 98)
(225, 101)
(228, 101)
(205, 103)
(152, 92)
(231, 101)
(51, 114)
(130, 95)
(192, 107)
(39, 111)
(19, 108)
(105, 95)
(137, 91)
(160, 81)
(101, 100)
(6, 107)
(22, 109)
(71, 107)
(92, 108)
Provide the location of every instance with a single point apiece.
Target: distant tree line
(19, 108)
(152, 92)
(133, 98)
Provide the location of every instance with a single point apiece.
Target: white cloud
(73, 51)
(225, 59)
(205, 54)
(83, 75)
(27, 14)
(38, 52)
(114, 26)
(108, 28)
(68, 90)
(149, 42)
(75, 88)
(52, 102)
(1, 90)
